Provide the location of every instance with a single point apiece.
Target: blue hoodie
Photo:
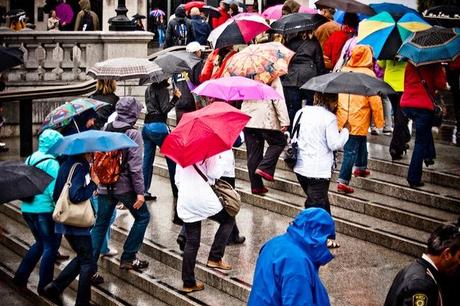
(287, 268)
(43, 203)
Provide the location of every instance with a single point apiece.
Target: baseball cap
(194, 46)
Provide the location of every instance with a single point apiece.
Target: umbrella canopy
(348, 82)
(444, 15)
(10, 57)
(15, 13)
(275, 11)
(339, 16)
(138, 16)
(211, 11)
(157, 13)
(237, 30)
(177, 61)
(298, 22)
(263, 62)
(91, 141)
(385, 35)
(236, 88)
(63, 115)
(125, 68)
(204, 133)
(349, 6)
(394, 9)
(189, 5)
(20, 181)
(434, 45)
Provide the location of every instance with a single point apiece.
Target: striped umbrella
(157, 13)
(125, 68)
(275, 11)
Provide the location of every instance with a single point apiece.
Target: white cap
(194, 46)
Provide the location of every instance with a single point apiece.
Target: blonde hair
(106, 86)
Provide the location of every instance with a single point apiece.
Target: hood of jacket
(361, 56)
(128, 110)
(47, 139)
(85, 5)
(180, 12)
(311, 228)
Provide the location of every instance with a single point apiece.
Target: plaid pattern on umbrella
(125, 68)
(263, 62)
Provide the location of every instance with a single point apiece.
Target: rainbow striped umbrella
(157, 13)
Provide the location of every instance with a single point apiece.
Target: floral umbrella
(263, 62)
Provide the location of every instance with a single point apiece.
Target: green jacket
(394, 73)
(43, 203)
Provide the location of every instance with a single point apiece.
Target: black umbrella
(298, 22)
(137, 16)
(349, 6)
(211, 11)
(18, 180)
(177, 61)
(443, 15)
(348, 82)
(10, 57)
(15, 13)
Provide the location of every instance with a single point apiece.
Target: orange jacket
(210, 70)
(355, 109)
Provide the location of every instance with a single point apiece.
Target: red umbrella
(204, 133)
(198, 4)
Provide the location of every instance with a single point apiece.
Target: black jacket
(307, 62)
(416, 284)
(104, 112)
(158, 103)
(171, 36)
(201, 30)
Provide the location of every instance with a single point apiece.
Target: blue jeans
(153, 135)
(161, 36)
(45, 247)
(82, 265)
(107, 204)
(424, 144)
(105, 244)
(354, 153)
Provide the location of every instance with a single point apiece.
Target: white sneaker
(110, 253)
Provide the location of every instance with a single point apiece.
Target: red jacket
(215, 22)
(414, 94)
(332, 47)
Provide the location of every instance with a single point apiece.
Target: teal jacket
(43, 203)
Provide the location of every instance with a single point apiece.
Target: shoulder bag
(438, 112)
(74, 214)
(292, 148)
(229, 197)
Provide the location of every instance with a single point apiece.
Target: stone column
(50, 63)
(67, 63)
(31, 63)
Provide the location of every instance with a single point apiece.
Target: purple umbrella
(236, 88)
(65, 13)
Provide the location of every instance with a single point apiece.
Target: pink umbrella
(275, 12)
(236, 88)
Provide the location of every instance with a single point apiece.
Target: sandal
(332, 244)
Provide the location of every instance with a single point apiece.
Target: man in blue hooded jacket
(287, 268)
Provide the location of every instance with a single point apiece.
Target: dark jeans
(82, 264)
(424, 144)
(255, 140)
(316, 190)
(153, 135)
(45, 247)
(193, 234)
(354, 153)
(134, 240)
(235, 232)
(401, 134)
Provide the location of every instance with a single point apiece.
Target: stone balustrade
(65, 57)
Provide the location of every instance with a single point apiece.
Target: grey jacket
(131, 179)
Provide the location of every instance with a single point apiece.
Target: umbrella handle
(76, 125)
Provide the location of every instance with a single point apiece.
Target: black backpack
(88, 20)
(180, 33)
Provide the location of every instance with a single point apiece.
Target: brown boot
(198, 286)
(219, 265)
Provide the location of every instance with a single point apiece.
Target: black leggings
(316, 190)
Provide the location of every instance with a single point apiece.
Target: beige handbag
(66, 212)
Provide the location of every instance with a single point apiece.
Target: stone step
(259, 225)
(159, 280)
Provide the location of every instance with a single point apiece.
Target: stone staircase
(380, 227)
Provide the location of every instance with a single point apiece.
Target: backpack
(86, 22)
(109, 165)
(180, 33)
(32, 198)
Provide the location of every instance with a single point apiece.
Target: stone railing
(57, 57)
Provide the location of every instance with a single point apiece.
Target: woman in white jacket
(196, 202)
(317, 138)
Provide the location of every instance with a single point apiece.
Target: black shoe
(60, 256)
(236, 240)
(420, 184)
(428, 162)
(52, 293)
(97, 279)
(181, 242)
(149, 197)
(136, 265)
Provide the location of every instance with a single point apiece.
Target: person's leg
(104, 247)
(136, 235)
(361, 158)
(149, 156)
(48, 237)
(303, 181)
(235, 234)
(401, 134)
(276, 144)
(72, 269)
(254, 151)
(293, 101)
(193, 233)
(84, 251)
(317, 194)
(163, 133)
(106, 206)
(350, 153)
(387, 115)
(223, 233)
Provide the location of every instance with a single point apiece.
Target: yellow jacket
(356, 109)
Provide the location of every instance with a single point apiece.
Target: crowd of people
(320, 124)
